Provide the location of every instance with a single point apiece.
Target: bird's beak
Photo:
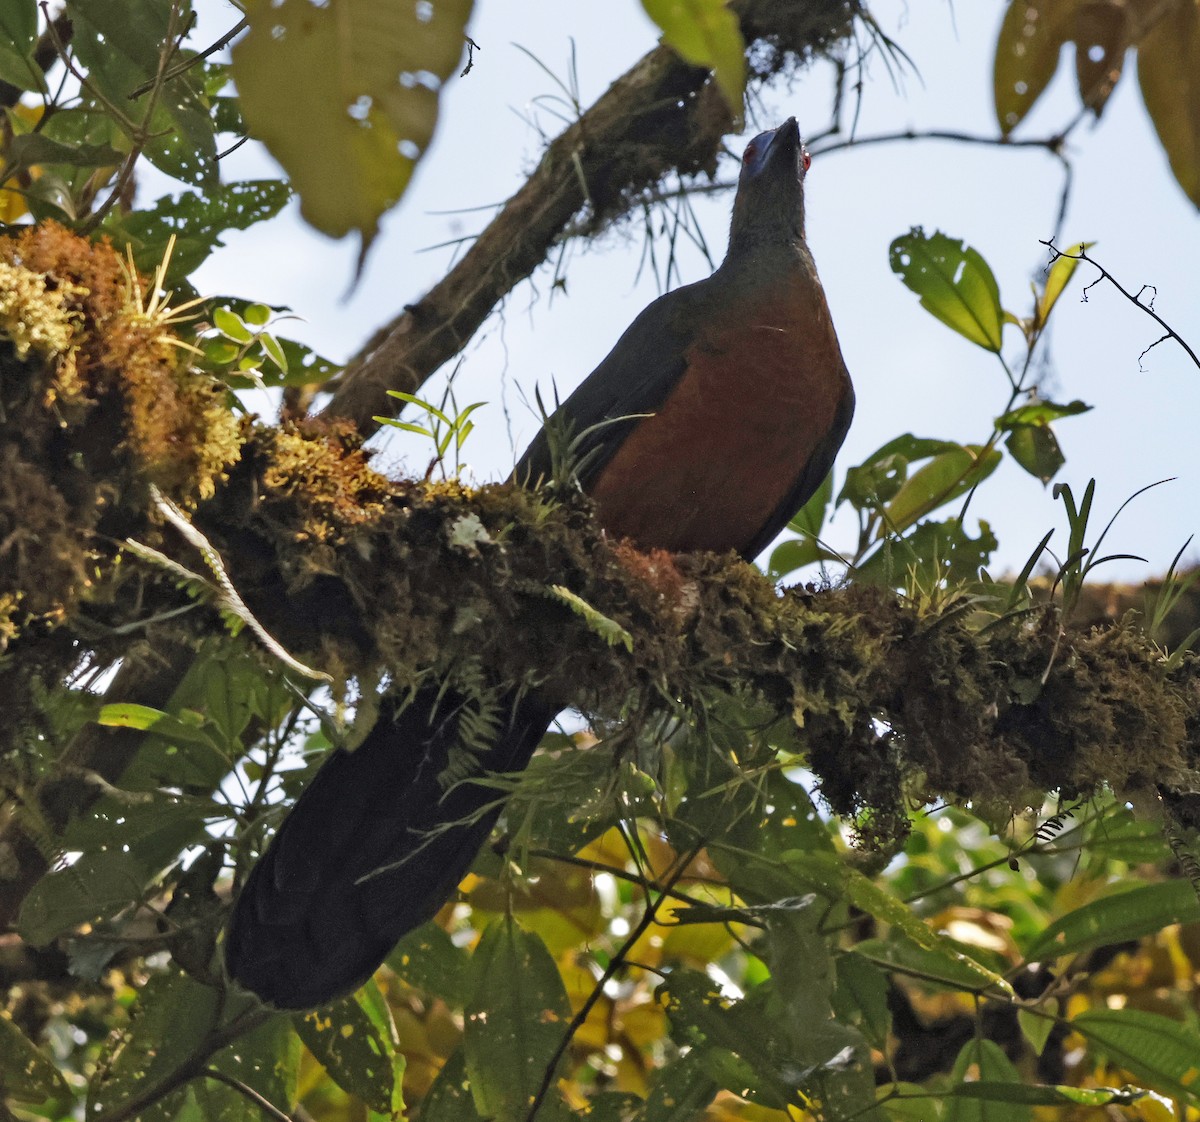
(784, 144)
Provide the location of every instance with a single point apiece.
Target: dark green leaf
(428, 960)
(1161, 1053)
(197, 220)
(995, 1069)
(940, 965)
(861, 997)
(37, 148)
(953, 282)
(29, 1075)
(449, 1099)
(18, 34)
(359, 1057)
(124, 848)
(267, 1060)
(1035, 448)
(940, 550)
(515, 1020)
(1117, 919)
(680, 1092)
(157, 1041)
(122, 54)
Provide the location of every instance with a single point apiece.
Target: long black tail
(312, 922)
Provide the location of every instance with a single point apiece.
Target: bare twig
(1169, 331)
(193, 60)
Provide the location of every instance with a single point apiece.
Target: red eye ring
(748, 155)
(806, 157)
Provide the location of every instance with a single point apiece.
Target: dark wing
(636, 378)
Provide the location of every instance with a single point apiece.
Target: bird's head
(770, 197)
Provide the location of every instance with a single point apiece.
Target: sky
(911, 373)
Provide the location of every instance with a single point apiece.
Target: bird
(714, 418)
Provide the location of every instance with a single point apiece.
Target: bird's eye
(748, 155)
(806, 157)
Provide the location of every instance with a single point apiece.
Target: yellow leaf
(1027, 52)
(706, 33)
(1102, 35)
(345, 97)
(1169, 74)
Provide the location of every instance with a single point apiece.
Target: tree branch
(661, 115)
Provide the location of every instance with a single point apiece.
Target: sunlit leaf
(940, 481)
(1057, 279)
(345, 97)
(706, 33)
(954, 283)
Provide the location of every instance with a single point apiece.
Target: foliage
(678, 927)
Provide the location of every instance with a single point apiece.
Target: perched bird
(715, 417)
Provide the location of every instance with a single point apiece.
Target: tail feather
(373, 847)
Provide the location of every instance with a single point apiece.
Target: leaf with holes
(953, 282)
(345, 96)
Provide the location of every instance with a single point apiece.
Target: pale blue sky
(911, 373)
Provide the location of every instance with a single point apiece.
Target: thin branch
(1170, 332)
(261, 1101)
(682, 861)
(191, 1068)
(193, 60)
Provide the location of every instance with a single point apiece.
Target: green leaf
(861, 997)
(1168, 64)
(941, 965)
(1035, 1029)
(428, 960)
(1160, 1053)
(197, 221)
(680, 1092)
(359, 1056)
(257, 315)
(267, 1060)
(953, 282)
(598, 623)
(345, 97)
(122, 54)
(994, 1069)
(918, 1104)
(128, 715)
(1038, 412)
(30, 1076)
(1117, 919)
(515, 1020)
(37, 148)
(944, 550)
(1057, 279)
(230, 325)
(158, 1040)
(123, 849)
(449, 1099)
(1035, 448)
(18, 35)
(706, 33)
(945, 478)
(791, 555)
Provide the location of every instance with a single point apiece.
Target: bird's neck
(768, 258)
